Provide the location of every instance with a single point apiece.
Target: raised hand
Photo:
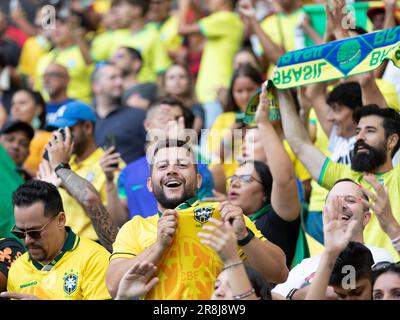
(337, 235)
(262, 113)
(137, 281)
(246, 9)
(109, 163)
(222, 239)
(380, 204)
(59, 150)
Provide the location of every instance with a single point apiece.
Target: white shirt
(340, 147)
(302, 274)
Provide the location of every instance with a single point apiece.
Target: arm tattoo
(88, 197)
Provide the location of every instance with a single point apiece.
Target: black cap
(13, 125)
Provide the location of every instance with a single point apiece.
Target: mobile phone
(111, 141)
(62, 131)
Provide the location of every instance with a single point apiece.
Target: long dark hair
(265, 175)
(260, 285)
(38, 100)
(247, 71)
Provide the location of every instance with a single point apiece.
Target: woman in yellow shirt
(29, 106)
(245, 82)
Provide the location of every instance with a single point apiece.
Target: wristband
(396, 240)
(291, 293)
(244, 295)
(62, 166)
(246, 239)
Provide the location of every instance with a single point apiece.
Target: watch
(246, 239)
(62, 166)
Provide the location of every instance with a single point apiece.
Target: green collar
(260, 212)
(192, 202)
(68, 246)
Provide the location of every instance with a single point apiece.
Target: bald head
(55, 81)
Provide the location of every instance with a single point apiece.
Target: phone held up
(62, 131)
(111, 141)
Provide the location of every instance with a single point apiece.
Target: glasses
(34, 234)
(53, 75)
(244, 178)
(380, 266)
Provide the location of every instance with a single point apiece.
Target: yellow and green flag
(331, 61)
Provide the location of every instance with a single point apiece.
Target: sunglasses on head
(34, 234)
(384, 265)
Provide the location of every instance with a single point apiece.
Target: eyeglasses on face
(244, 178)
(53, 75)
(34, 234)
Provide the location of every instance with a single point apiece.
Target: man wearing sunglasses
(58, 264)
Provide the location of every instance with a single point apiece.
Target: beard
(172, 203)
(369, 161)
(39, 257)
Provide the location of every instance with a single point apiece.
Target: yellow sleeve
(10, 282)
(24, 66)
(331, 172)
(388, 90)
(300, 170)
(161, 60)
(250, 225)
(126, 244)
(101, 46)
(94, 278)
(215, 25)
(36, 150)
(257, 234)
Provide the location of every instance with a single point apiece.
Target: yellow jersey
(146, 41)
(34, 48)
(188, 269)
(373, 233)
(90, 170)
(77, 273)
(388, 90)
(301, 172)
(79, 86)
(224, 32)
(169, 33)
(36, 150)
(281, 29)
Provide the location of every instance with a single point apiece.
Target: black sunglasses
(34, 234)
(380, 266)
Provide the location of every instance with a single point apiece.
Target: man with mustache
(189, 270)
(377, 140)
(58, 264)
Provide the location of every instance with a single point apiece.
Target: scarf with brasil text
(331, 61)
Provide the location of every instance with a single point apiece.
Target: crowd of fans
(127, 170)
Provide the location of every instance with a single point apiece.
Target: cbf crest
(70, 282)
(202, 214)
